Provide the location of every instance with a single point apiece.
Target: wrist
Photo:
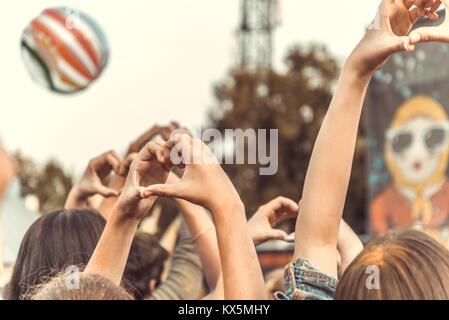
(226, 208)
(120, 220)
(358, 69)
(75, 198)
(124, 214)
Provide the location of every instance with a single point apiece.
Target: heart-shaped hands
(263, 224)
(203, 180)
(439, 33)
(148, 168)
(389, 33)
(93, 180)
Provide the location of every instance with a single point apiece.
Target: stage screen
(407, 141)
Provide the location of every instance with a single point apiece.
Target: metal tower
(259, 19)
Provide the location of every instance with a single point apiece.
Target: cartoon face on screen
(417, 148)
(416, 153)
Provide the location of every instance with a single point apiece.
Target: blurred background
(226, 64)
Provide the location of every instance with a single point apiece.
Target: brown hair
(411, 265)
(91, 287)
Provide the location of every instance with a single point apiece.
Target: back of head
(145, 264)
(405, 265)
(55, 241)
(86, 287)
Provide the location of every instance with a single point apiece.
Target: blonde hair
(91, 287)
(411, 265)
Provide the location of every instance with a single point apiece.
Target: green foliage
(50, 183)
(295, 103)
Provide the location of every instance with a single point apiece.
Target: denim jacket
(302, 281)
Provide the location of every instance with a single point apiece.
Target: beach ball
(64, 49)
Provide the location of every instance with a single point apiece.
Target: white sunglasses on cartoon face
(435, 137)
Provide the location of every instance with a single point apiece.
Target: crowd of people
(99, 229)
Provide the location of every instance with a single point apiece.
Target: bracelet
(202, 233)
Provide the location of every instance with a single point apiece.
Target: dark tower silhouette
(258, 20)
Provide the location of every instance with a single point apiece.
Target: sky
(166, 56)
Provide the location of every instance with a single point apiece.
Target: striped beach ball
(64, 49)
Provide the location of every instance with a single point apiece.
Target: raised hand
(147, 168)
(141, 141)
(439, 33)
(262, 224)
(203, 183)
(388, 33)
(93, 179)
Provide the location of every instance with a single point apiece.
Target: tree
(295, 103)
(50, 183)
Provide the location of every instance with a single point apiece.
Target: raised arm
(330, 165)
(110, 255)
(202, 229)
(348, 245)
(205, 183)
(118, 181)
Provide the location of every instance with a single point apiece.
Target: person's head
(86, 287)
(55, 241)
(405, 265)
(145, 264)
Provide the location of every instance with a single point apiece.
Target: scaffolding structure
(258, 21)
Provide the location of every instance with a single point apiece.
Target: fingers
(144, 139)
(417, 13)
(404, 43)
(125, 165)
(110, 158)
(163, 190)
(427, 34)
(151, 151)
(179, 149)
(290, 238)
(431, 6)
(106, 192)
(284, 203)
(277, 234)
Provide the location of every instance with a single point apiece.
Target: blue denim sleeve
(302, 281)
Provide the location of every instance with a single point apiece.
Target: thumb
(403, 43)
(162, 190)
(106, 192)
(276, 234)
(425, 34)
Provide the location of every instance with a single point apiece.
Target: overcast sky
(165, 57)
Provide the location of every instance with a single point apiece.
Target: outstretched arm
(348, 245)
(329, 170)
(110, 255)
(205, 183)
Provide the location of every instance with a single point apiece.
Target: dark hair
(145, 263)
(68, 237)
(89, 287)
(411, 265)
(54, 242)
